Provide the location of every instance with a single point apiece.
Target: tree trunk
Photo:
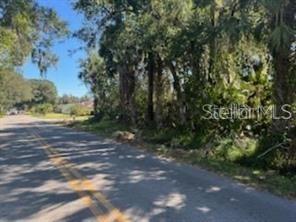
(96, 100)
(178, 89)
(212, 44)
(131, 96)
(281, 90)
(151, 70)
(126, 92)
(123, 92)
(159, 92)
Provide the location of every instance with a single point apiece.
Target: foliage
(64, 108)
(22, 93)
(79, 110)
(42, 108)
(270, 180)
(26, 28)
(44, 91)
(93, 73)
(15, 90)
(157, 63)
(68, 99)
(237, 149)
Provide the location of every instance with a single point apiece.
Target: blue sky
(65, 75)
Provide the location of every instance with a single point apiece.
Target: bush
(79, 110)
(65, 108)
(42, 108)
(58, 109)
(236, 149)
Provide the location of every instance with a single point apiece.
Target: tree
(282, 26)
(44, 91)
(43, 108)
(26, 28)
(68, 99)
(93, 73)
(15, 90)
(170, 58)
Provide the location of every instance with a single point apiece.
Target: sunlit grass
(61, 116)
(104, 127)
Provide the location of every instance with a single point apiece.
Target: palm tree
(282, 22)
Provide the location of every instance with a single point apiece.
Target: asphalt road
(51, 173)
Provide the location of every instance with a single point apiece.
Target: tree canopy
(28, 29)
(167, 59)
(15, 90)
(43, 91)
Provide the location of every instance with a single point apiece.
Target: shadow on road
(145, 187)
(30, 187)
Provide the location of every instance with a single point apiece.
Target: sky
(65, 74)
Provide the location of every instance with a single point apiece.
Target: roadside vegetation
(61, 117)
(159, 142)
(159, 67)
(62, 109)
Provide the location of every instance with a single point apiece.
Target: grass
(266, 180)
(104, 127)
(158, 143)
(59, 116)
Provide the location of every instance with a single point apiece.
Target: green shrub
(65, 108)
(58, 109)
(236, 149)
(79, 110)
(42, 108)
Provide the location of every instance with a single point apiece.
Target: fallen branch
(270, 149)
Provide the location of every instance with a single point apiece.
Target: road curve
(52, 173)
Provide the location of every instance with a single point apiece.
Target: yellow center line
(83, 186)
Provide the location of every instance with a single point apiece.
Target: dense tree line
(21, 93)
(157, 63)
(44, 91)
(70, 99)
(15, 90)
